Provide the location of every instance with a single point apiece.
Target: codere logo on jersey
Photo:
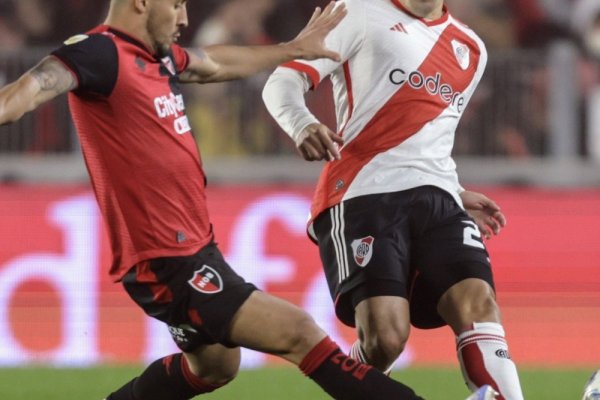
(431, 84)
(172, 105)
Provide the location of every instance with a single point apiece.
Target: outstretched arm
(42, 83)
(223, 62)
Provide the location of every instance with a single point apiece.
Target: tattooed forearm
(44, 82)
(53, 76)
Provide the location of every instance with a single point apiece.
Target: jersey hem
(351, 194)
(117, 275)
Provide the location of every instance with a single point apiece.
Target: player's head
(156, 22)
(165, 20)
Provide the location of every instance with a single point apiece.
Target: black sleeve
(94, 60)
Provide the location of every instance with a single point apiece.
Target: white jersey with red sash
(399, 91)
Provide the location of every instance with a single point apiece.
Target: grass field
(277, 383)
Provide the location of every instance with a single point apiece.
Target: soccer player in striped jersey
(400, 240)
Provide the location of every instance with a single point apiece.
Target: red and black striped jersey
(142, 159)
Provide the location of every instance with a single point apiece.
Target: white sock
(484, 359)
(357, 353)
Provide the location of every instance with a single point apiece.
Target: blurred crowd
(236, 125)
(49, 22)
(502, 23)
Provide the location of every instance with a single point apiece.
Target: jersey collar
(126, 37)
(434, 22)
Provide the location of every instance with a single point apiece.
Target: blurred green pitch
(274, 383)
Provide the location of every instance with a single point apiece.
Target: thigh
(196, 296)
(271, 325)
(449, 251)
(364, 244)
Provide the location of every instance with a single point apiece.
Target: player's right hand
(318, 142)
(484, 211)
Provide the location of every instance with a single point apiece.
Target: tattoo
(201, 69)
(53, 76)
(197, 52)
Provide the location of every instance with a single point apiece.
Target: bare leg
(383, 327)
(215, 364)
(471, 300)
(271, 325)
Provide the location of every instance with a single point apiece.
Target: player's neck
(132, 26)
(426, 9)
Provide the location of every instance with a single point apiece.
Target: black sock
(345, 378)
(125, 392)
(168, 378)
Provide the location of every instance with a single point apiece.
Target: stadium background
(530, 140)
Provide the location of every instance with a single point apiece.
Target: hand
(484, 211)
(318, 142)
(310, 41)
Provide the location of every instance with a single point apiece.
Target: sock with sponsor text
(346, 378)
(484, 359)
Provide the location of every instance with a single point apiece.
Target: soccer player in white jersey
(400, 239)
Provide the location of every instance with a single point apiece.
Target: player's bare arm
(486, 213)
(42, 83)
(223, 62)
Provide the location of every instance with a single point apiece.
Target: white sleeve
(283, 96)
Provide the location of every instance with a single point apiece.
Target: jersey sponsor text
(173, 105)
(432, 84)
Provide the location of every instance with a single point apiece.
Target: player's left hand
(486, 213)
(310, 41)
(318, 142)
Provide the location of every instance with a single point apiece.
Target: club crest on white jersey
(362, 249)
(462, 53)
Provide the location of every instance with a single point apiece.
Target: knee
(224, 374)
(480, 308)
(472, 300)
(384, 346)
(217, 371)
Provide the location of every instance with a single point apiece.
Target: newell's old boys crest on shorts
(207, 280)
(362, 250)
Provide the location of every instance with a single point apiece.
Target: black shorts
(196, 296)
(415, 244)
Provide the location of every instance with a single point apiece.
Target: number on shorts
(472, 236)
